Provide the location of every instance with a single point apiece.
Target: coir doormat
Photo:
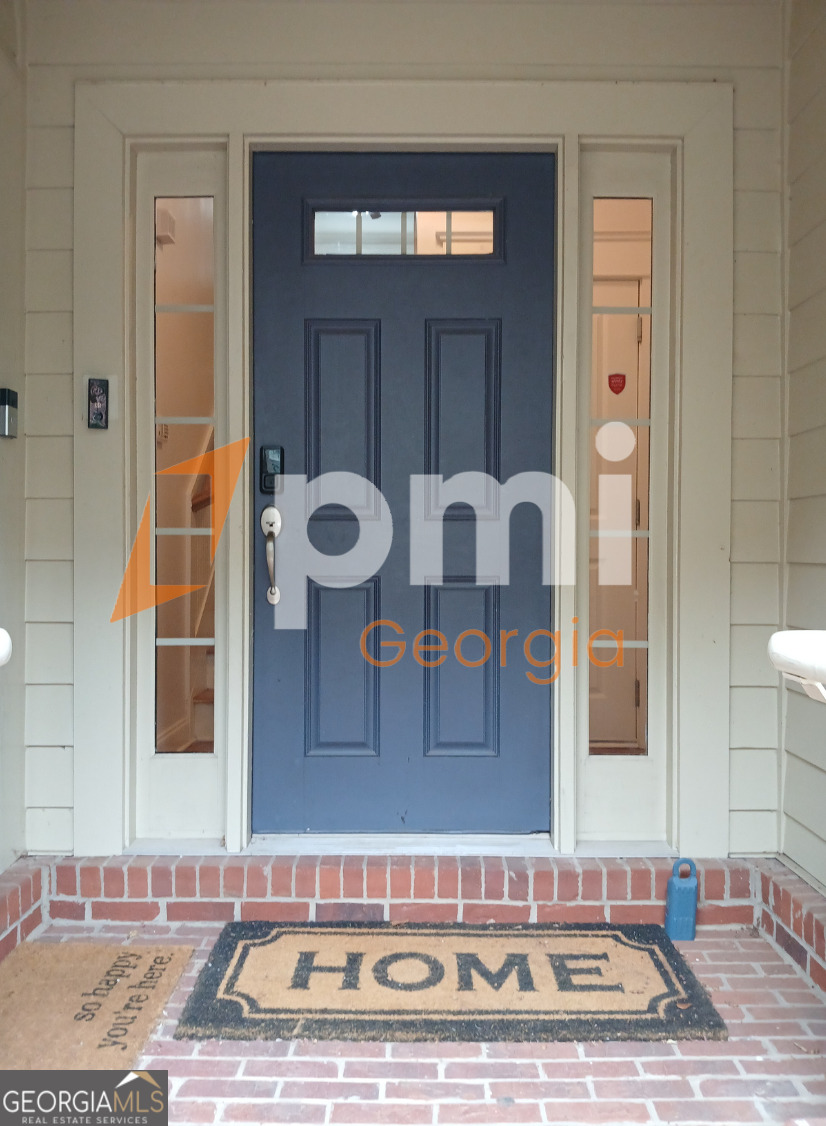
(82, 1006)
(362, 981)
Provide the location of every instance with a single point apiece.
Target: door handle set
(271, 526)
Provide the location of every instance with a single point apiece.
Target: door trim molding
(113, 118)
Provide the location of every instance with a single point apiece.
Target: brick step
(166, 889)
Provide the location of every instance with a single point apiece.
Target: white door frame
(112, 120)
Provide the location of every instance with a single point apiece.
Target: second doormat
(82, 1005)
(364, 981)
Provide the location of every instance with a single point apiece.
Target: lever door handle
(271, 526)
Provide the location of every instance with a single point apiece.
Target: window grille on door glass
(184, 414)
(620, 437)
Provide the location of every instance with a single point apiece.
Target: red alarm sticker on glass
(616, 381)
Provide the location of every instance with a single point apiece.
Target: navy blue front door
(390, 365)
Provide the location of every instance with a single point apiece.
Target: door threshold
(400, 844)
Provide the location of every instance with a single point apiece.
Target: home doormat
(362, 981)
(82, 1006)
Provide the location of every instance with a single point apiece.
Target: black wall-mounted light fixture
(8, 413)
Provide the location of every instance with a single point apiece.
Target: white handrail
(5, 647)
(800, 654)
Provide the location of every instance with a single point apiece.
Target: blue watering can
(681, 901)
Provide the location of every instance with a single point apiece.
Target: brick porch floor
(763, 979)
(772, 1068)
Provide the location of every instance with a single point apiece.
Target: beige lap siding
(804, 825)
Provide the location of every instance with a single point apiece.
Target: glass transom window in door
(418, 232)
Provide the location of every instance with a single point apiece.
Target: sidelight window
(184, 419)
(620, 434)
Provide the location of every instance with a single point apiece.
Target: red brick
(709, 914)
(273, 911)
(544, 885)
(662, 874)
(352, 878)
(784, 910)
(114, 880)
(739, 882)
(517, 871)
(228, 1088)
(401, 877)
(281, 877)
(349, 912)
(388, 1069)
(306, 877)
(67, 909)
(37, 884)
(589, 1069)
(555, 1088)
(616, 880)
(257, 881)
(233, 879)
(496, 912)
(570, 913)
(809, 927)
(488, 1112)
(640, 879)
(637, 913)
(293, 1113)
(727, 1110)
(24, 882)
(767, 923)
(494, 877)
(820, 938)
(328, 1089)
(424, 877)
(470, 878)
(817, 972)
(199, 910)
(376, 877)
(713, 881)
(11, 895)
(329, 878)
(8, 943)
(447, 884)
(567, 880)
(293, 1069)
(667, 1087)
(186, 881)
(127, 911)
(422, 1090)
(137, 880)
(4, 915)
(161, 879)
(31, 922)
(405, 1114)
(591, 877)
(689, 1067)
(90, 881)
(209, 879)
(765, 886)
(424, 912)
(190, 1110)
